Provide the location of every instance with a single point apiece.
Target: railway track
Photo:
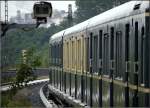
(51, 100)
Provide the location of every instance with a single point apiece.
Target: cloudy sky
(26, 6)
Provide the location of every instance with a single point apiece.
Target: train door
(95, 82)
(118, 54)
(86, 68)
(105, 67)
(119, 60)
(106, 54)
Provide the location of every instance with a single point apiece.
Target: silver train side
(105, 61)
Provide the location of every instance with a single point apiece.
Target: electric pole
(6, 11)
(70, 19)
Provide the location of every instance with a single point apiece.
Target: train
(105, 60)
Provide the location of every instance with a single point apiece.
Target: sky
(27, 7)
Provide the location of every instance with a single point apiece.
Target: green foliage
(32, 59)
(89, 8)
(16, 40)
(8, 99)
(5, 96)
(24, 75)
(7, 80)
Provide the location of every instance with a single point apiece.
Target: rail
(44, 99)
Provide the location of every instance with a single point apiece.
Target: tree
(27, 69)
(89, 8)
(24, 75)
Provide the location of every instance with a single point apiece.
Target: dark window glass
(112, 44)
(95, 53)
(118, 53)
(106, 54)
(136, 42)
(45, 10)
(142, 58)
(37, 10)
(137, 6)
(91, 44)
(87, 44)
(100, 44)
(127, 42)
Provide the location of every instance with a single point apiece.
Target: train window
(59, 54)
(79, 55)
(67, 55)
(73, 55)
(127, 42)
(100, 44)
(136, 42)
(137, 6)
(90, 51)
(38, 10)
(112, 44)
(87, 56)
(91, 44)
(142, 58)
(118, 53)
(45, 10)
(70, 53)
(106, 53)
(95, 45)
(55, 55)
(53, 51)
(100, 52)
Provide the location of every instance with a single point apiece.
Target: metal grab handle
(112, 64)
(90, 63)
(127, 66)
(136, 67)
(100, 63)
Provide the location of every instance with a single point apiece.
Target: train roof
(121, 11)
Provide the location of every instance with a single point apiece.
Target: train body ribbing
(105, 60)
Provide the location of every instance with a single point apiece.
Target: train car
(105, 60)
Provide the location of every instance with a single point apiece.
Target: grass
(7, 80)
(42, 77)
(12, 99)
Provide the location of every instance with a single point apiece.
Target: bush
(24, 75)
